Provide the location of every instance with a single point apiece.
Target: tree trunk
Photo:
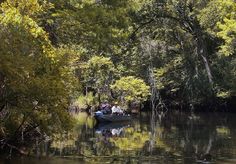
(202, 51)
(207, 67)
(99, 96)
(2, 88)
(201, 47)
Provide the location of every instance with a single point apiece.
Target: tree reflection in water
(175, 138)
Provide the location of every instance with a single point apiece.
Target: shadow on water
(176, 138)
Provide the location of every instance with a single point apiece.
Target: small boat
(112, 118)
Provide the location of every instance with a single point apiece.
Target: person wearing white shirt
(116, 109)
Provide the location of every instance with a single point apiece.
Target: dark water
(175, 138)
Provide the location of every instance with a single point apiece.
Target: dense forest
(56, 54)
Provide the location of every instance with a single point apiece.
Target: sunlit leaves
(25, 7)
(98, 72)
(131, 89)
(31, 70)
(228, 33)
(220, 20)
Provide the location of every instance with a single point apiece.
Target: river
(174, 138)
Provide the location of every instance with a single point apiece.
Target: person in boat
(105, 107)
(116, 109)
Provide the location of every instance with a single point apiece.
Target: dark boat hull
(113, 118)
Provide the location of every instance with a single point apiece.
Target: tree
(98, 73)
(219, 20)
(98, 26)
(184, 50)
(131, 89)
(36, 81)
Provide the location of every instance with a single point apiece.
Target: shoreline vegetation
(62, 56)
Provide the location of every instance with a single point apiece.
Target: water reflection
(109, 130)
(176, 138)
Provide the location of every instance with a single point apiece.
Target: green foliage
(51, 49)
(36, 80)
(219, 19)
(99, 27)
(98, 69)
(182, 41)
(98, 73)
(228, 34)
(83, 101)
(131, 89)
(162, 75)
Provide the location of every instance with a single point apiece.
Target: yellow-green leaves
(98, 73)
(24, 7)
(227, 27)
(228, 34)
(223, 94)
(32, 70)
(12, 17)
(219, 18)
(131, 88)
(98, 68)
